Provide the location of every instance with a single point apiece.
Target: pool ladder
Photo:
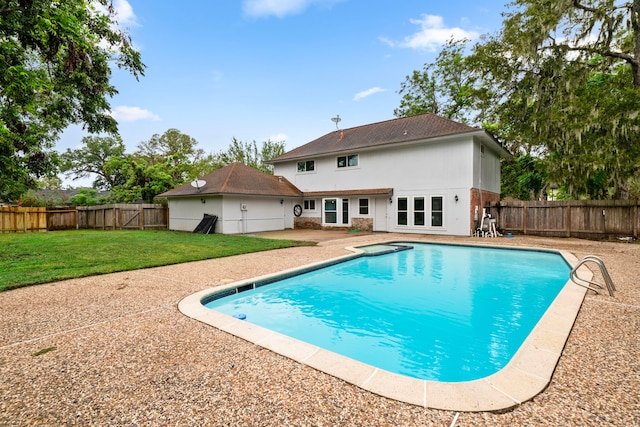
(603, 270)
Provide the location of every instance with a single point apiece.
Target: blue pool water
(435, 312)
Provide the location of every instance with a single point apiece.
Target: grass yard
(34, 258)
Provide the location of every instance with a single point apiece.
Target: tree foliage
(163, 162)
(93, 159)
(568, 77)
(159, 164)
(446, 87)
(177, 152)
(145, 180)
(523, 178)
(55, 60)
(249, 154)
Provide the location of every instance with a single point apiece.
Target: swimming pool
(456, 301)
(436, 312)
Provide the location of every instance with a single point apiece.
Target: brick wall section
(362, 224)
(307, 223)
(487, 198)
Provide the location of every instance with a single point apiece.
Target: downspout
(480, 179)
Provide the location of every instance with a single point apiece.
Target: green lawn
(34, 258)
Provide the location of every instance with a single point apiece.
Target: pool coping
(527, 374)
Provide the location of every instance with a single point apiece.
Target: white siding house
(421, 174)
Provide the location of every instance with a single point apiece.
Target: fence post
(524, 217)
(141, 215)
(635, 219)
(568, 220)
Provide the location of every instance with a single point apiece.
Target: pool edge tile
(468, 396)
(340, 366)
(398, 387)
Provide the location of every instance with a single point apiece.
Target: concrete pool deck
(526, 375)
(122, 353)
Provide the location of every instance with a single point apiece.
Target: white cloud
(280, 8)
(368, 92)
(124, 13)
(279, 137)
(431, 35)
(124, 113)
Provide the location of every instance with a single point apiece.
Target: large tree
(159, 164)
(178, 152)
(93, 159)
(569, 79)
(446, 87)
(55, 70)
(144, 180)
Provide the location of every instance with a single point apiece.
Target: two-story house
(421, 174)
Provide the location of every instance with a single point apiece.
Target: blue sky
(276, 69)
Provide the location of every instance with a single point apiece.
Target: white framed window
(403, 213)
(349, 161)
(335, 211)
(437, 210)
(363, 206)
(306, 166)
(418, 211)
(330, 211)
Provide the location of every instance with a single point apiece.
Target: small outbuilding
(243, 199)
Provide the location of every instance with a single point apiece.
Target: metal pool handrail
(603, 270)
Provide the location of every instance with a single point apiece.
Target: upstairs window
(350, 161)
(307, 166)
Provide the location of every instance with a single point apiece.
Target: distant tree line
(158, 165)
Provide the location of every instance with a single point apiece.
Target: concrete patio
(122, 354)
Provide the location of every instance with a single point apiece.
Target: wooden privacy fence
(104, 217)
(123, 216)
(14, 219)
(62, 218)
(590, 219)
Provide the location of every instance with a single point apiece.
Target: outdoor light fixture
(281, 201)
(203, 201)
(456, 198)
(390, 200)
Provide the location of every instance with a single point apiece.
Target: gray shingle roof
(237, 178)
(406, 129)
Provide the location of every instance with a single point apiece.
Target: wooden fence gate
(123, 216)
